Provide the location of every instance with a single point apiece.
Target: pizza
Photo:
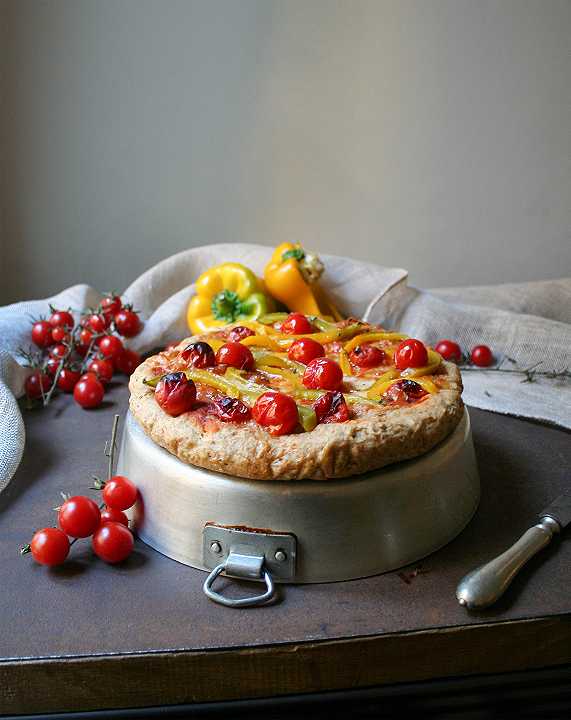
(296, 397)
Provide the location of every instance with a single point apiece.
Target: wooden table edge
(177, 677)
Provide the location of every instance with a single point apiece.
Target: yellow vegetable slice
(372, 337)
(434, 360)
(260, 341)
(344, 363)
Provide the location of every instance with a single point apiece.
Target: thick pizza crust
(337, 450)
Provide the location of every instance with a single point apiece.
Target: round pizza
(296, 397)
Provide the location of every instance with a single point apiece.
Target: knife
(483, 586)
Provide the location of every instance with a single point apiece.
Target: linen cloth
(529, 323)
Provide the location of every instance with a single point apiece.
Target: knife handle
(483, 586)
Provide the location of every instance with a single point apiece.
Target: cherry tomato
(110, 347)
(58, 351)
(99, 322)
(111, 305)
(231, 410)
(88, 392)
(331, 408)
(199, 355)
(68, 379)
(83, 342)
(79, 516)
(60, 335)
(305, 350)
(112, 542)
(112, 515)
(127, 323)
(449, 350)
(119, 493)
(61, 318)
(239, 333)
(367, 356)
(405, 391)
(323, 373)
(103, 369)
(296, 324)
(276, 412)
(52, 365)
(50, 546)
(411, 353)
(175, 393)
(42, 333)
(236, 355)
(481, 356)
(36, 383)
(127, 362)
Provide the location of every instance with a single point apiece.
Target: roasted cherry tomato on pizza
(276, 412)
(323, 374)
(296, 324)
(304, 350)
(175, 393)
(235, 355)
(367, 356)
(199, 355)
(411, 353)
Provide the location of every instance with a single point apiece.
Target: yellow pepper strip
(320, 337)
(307, 417)
(344, 363)
(282, 372)
(224, 294)
(216, 343)
(271, 318)
(434, 360)
(382, 384)
(426, 384)
(372, 337)
(288, 276)
(204, 378)
(277, 360)
(260, 341)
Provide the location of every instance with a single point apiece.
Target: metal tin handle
(483, 586)
(241, 602)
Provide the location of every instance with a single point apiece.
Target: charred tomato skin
(405, 391)
(175, 393)
(323, 374)
(367, 356)
(331, 408)
(199, 355)
(240, 332)
(230, 409)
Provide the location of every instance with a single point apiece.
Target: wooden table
(89, 636)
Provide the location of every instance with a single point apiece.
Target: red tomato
(231, 410)
(36, 383)
(79, 516)
(103, 369)
(58, 351)
(481, 356)
(276, 412)
(305, 350)
(111, 515)
(405, 391)
(42, 333)
(68, 379)
(367, 356)
(128, 361)
(175, 393)
(296, 324)
(60, 335)
(239, 333)
(99, 322)
(88, 392)
(112, 542)
(50, 546)
(127, 323)
(52, 365)
(449, 350)
(111, 305)
(323, 373)
(83, 342)
(199, 355)
(61, 318)
(110, 347)
(411, 353)
(119, 493)
(235, 355)
(331, 408)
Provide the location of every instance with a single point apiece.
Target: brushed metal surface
(345, 529)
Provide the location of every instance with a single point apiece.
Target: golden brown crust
(376, 437)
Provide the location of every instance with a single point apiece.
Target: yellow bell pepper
(291, 277)
(224, 294)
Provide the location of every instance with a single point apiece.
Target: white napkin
(529, 323)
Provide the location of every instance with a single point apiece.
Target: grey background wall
(429, 134)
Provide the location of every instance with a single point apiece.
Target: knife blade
(486, 584)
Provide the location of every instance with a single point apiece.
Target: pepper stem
(226, 306)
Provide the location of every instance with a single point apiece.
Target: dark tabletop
(152, 604)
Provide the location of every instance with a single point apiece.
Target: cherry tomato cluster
(480, 355)
(80, 517)
(82, 358)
